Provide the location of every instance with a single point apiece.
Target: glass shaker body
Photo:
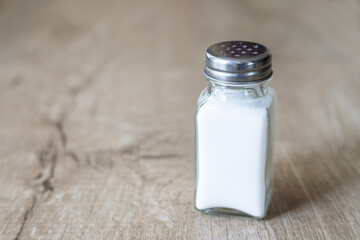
(234, 126)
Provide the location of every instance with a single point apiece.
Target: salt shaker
(234, 124)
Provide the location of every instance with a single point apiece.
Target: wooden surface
(96, 117)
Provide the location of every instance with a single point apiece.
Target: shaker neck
(225, 91)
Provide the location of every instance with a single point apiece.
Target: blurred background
(96, 117)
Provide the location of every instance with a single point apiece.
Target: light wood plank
(96, 117)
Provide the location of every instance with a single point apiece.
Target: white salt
(232, 142)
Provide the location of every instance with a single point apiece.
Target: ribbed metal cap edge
(238, 62)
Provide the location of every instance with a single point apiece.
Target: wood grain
(96, 117)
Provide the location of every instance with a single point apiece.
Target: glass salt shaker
(234, 124)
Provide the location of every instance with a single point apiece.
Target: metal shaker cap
(238, 62)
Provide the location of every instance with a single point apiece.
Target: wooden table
(96, 117)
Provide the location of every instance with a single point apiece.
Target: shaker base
(228, 211)
(235, 212)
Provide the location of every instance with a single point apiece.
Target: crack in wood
(48, 155)
(74, 157)
(26, 217)
(48, 158)
(47, 186)
(60, 129)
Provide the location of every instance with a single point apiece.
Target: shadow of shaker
(303, 179)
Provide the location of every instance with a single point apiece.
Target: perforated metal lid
(238, 62)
